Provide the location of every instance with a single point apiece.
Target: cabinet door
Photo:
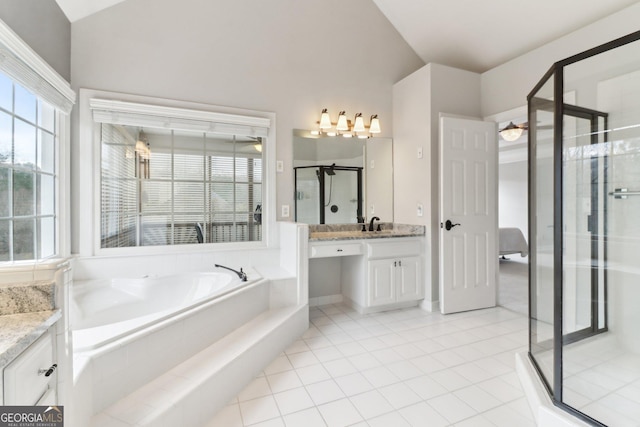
(382, 286)
(409, 286)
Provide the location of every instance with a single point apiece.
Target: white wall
(44, 27)
(513, 196)
(418, 101)
(285, 56)
(506, 87)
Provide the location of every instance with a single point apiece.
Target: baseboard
(329, 299)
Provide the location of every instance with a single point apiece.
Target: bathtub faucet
(241, 274)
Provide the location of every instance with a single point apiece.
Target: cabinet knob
(48, 372)
(339, 250)
(400, 263)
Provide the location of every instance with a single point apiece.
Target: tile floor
(398, 368)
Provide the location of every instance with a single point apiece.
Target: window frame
(89, 226)
(27, 69)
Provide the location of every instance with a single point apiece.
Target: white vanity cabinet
(389, 276)
(30, 379)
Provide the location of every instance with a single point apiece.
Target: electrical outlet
(373, 164)
(279, 166)
(419, 152)
(285, 211)
(373, 209)
(420, 209)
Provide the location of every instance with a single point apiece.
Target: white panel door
(468, 214)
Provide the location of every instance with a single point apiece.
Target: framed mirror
(342, 180)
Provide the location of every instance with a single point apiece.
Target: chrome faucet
(371, 223)
(241, 274)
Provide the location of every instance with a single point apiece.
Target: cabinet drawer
(23, 384)
(335, 249)
(393, 248)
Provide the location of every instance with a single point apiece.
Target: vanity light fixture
(342, 121)
(344, 126)
(325, 120)
(511, 132)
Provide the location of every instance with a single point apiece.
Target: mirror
(342, 180)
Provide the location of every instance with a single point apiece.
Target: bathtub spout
(241, 274)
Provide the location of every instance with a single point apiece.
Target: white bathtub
(105, 311)
(134, 330)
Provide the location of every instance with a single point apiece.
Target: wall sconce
(512, 132)
(344, 126)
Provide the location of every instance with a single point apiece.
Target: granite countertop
(330, 232)
(19, 331)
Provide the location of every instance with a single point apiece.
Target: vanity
(28, 354)
(369, 270)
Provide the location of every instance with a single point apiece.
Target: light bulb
(325, 120)
(342, 121)
(374, 127)
(359, 123)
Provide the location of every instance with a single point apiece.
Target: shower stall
(328, 194)
(584, 232)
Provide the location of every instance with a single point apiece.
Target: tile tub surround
(19, 331)
(26, 297)
(328, 232)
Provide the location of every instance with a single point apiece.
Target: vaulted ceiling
(469, 34)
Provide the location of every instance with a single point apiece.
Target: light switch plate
(419, 152)
(279, 166)
(420, 209)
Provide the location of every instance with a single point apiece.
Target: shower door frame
(322, 175)
(556, 72)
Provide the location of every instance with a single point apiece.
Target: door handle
(449, 225)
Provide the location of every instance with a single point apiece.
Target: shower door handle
(449, 225)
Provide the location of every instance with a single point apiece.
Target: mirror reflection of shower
(328, 194)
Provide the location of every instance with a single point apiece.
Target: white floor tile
(452, 408)
(477, 398)
(340, 367)
(391, 419)
(400, 395)
(279, 364)
(418, 414)
(426, 387)
(371, 404)
(302, 359)
(340, 413)
(353, 384)
(258, 410)
(380, 376)
(284, 381)
(313, 374)
(307, 418)
(293, 400)
(325, 391)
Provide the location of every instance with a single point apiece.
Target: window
(28, 174)
(34, 106)
(162, 187)
(172, 176)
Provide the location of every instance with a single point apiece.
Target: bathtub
(127, 332)
(109, 310)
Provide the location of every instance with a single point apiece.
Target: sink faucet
(241, 274)
(371, 223)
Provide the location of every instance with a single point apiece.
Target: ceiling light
(511, 132)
